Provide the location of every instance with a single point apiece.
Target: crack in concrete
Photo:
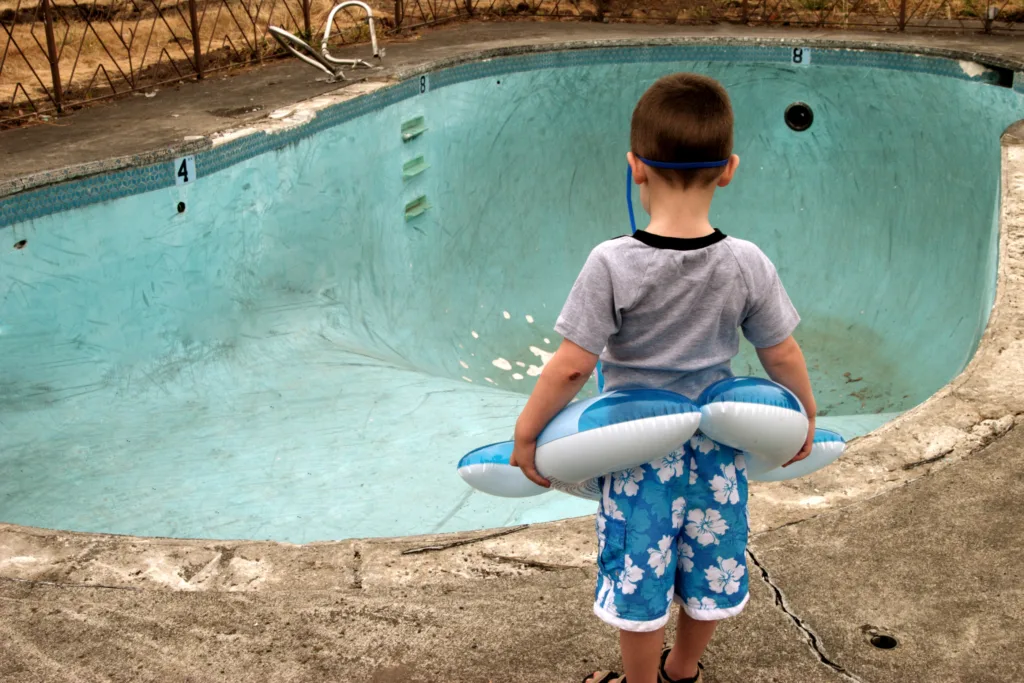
(59, 584)
(526, 562)
(463, 541)
(927, 461)
(812, 638)
(357, 569)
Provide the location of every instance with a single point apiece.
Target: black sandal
(664, 677)
(605, 677)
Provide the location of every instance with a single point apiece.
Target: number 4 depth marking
(184, 170)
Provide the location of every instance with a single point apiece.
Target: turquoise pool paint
(295, 358)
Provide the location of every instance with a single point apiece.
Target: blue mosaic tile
(114, 185)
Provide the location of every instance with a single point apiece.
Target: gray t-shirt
(664, 312)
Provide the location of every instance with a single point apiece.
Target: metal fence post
(745, 12)
(51, 49)
(307, 20)
(903, 15)
(197, 50)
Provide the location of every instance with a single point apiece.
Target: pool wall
(220, 275)
(816, 202)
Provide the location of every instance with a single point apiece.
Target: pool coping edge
(189, 146)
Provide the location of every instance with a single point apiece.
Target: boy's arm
(785, 364)
(562, 378)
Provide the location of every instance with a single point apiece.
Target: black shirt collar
(678, 243)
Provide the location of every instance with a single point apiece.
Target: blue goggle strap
(671, 165)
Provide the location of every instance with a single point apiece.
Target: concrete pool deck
(911, 534)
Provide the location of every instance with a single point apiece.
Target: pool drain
(20, 244)
(181, 207)
(799, 116)
(883, 642)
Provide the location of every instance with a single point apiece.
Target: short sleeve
(590, 315)
(770, 316)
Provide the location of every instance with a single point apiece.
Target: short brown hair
(683, 117)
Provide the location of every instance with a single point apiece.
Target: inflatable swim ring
(614, 431)
(627, 428)
(828, 446)
(759, 417)
(588, 439)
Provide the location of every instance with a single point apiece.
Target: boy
(662, 309)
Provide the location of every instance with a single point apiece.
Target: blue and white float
(828, 446)
(761, 418)
(588, 439)
(486, 469)
(627, 428)
(766, 421)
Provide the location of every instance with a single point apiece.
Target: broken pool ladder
(323, 60)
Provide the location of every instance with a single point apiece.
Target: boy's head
(684, 117)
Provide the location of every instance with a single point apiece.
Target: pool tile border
(154, 171)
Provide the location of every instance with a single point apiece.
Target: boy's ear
(639, 170)
(730, 171)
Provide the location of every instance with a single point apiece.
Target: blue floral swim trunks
(675, 528)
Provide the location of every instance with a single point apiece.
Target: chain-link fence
(57, 54)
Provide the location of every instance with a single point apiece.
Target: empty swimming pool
(300, 341)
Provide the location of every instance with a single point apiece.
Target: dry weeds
(112, 46)
(120, 45)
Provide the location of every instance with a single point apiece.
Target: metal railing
(323, 60)
(57, 54)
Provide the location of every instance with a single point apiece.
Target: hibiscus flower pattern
(678, 512)
(702, 604)
(725, 576)
(629, 577)
(628, 481)
(705, 526)
(725, 486)
(686, 556)
(702, 444)
(671, 466)
(674, 529)
(660, 557)
(740, 462)
(606, 596)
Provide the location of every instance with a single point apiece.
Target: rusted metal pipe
(51, 49)
(307, 20)
(197, 49)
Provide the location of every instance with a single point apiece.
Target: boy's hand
(805, 450)
(562, 378)
(785, 364)
(523, 455)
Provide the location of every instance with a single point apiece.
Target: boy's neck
(681, 213)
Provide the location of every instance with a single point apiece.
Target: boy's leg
(692, 638)
(637, 557)
(711, 578)
(641, 654)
